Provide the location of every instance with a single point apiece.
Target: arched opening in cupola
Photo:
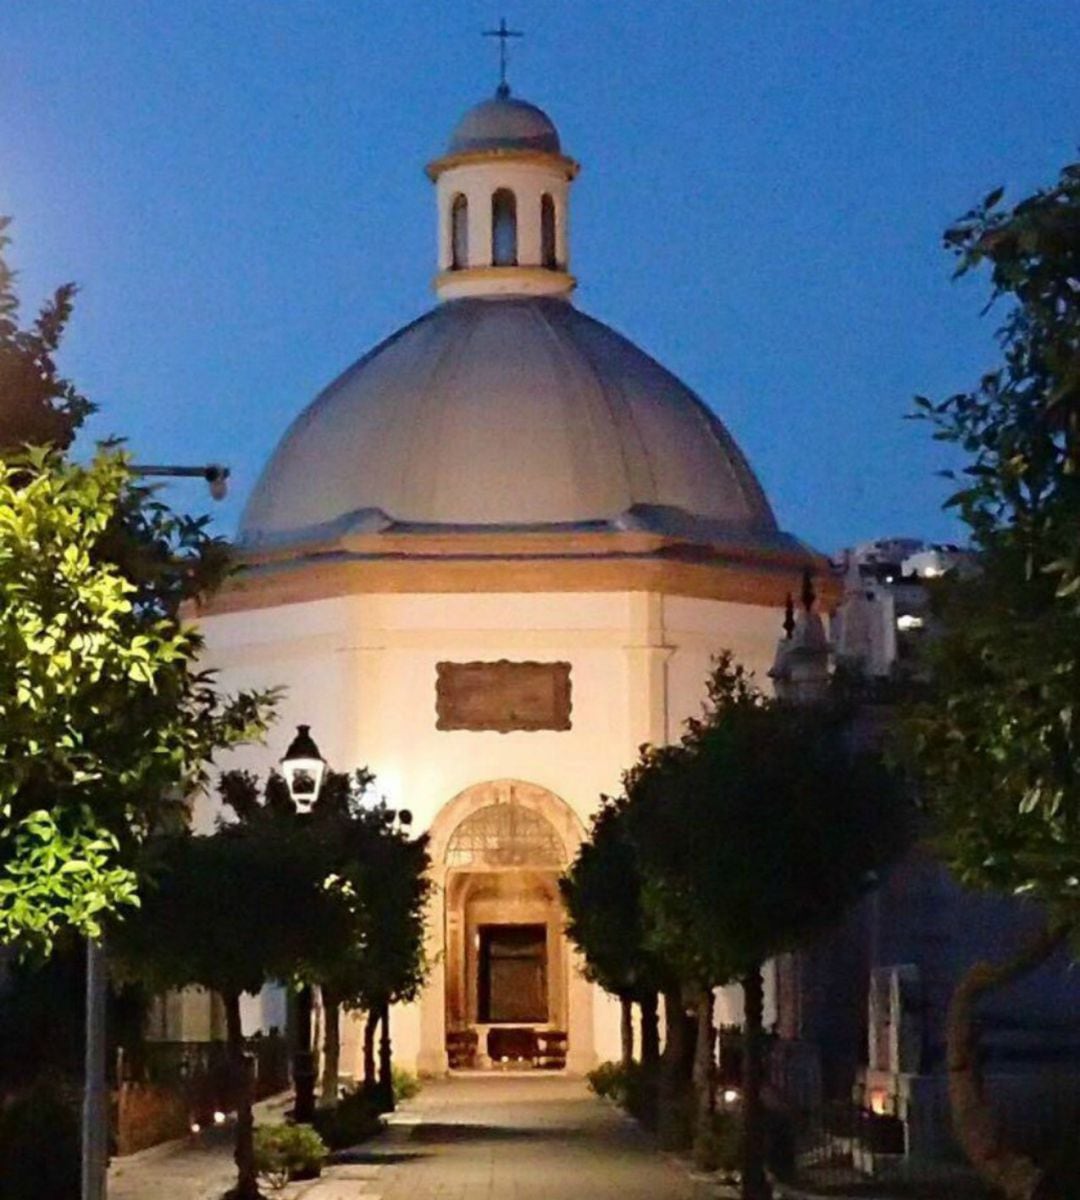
(548, 255)
(504, 250)
(459, 233)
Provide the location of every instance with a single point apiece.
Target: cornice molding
(524, 563)
(566, 166)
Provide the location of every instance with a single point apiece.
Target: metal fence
(202, 1068)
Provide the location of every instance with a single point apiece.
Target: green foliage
(996, 743)
(354, 1119)
(406, 1084)
(608, 1081)
(228, 911)
(757, 830)
(104, 712)
(602, 892)
(37, 405)
(630, 1087)
(372, 878)
(286, 1152)
(39, 1142)
(724, 1148)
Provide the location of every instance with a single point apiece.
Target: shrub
(608, 1080)
(353, 1119)
(632, 1088)
(406, 1084)
(675, 1121)
(640, 1095)
(39, 1143)
(284, 1152)
(727, 1140)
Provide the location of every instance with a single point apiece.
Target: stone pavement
(531, 1137)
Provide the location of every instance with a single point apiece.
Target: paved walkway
(475, 1138)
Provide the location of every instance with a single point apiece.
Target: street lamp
(303, 767)
(94, 1120)
(215, 474)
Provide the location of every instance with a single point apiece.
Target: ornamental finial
(503, 34)
(789, 617)
(809, 596)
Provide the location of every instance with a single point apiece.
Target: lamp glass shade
(303, 767)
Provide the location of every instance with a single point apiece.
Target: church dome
(505, 123)
(516, 413)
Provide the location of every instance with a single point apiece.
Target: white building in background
(884, 613)
(490, 560)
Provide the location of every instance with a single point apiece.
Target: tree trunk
(650, 1032)
(303, 1059)
(386, 1064)
(371, 1024)
(331, 1045)
(626, 1030)
(673, 1125)
(755, 1185)
(247, 1183)
(704, 1082)
(977, 1130)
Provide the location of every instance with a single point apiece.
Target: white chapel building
(490, 560)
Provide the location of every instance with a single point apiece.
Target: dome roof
(505, 123)
(519, 413)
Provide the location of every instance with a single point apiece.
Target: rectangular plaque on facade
(502, 696)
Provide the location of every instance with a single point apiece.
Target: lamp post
(303, 767)
(400, 820)
(95, 1105)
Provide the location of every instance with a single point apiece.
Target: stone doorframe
(570, 829)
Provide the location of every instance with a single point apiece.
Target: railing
(165, 1089)
(204, 1066)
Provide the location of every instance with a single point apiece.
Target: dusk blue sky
(237, 188)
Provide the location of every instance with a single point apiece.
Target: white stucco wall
(361, 671)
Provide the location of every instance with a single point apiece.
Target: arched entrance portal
(504, 980)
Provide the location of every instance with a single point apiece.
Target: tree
(38, 406)
(755, 833)
(230, 912)
(996, 743)
(602, 894)
(370, 952)
(104, 712)
(383, 874)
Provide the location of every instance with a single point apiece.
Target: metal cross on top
(504, 35)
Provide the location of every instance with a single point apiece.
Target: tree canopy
(38, 406)
(372, 874)
(997, 743)
(106, 717)
(997, 740)
(749, 836)
(758, 829)
(603, 896)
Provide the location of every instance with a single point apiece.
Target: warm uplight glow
(879, 1101)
